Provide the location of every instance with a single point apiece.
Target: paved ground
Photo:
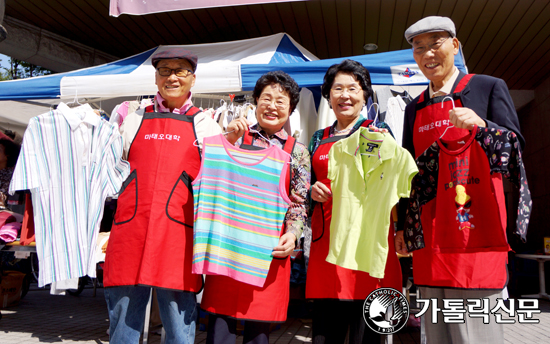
(42, 318)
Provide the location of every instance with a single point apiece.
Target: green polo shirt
(369, 172)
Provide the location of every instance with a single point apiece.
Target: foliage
(20, 70)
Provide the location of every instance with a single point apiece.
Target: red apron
(226, 296)
(480, 270)
(151, 240)
(329, 281)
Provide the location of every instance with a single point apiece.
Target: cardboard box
(546, 245)
(10, 288)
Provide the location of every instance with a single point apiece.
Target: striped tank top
(240, 204)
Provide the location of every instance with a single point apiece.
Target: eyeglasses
(279, 103)
(180, 72)
(339, 90)
(421, 49)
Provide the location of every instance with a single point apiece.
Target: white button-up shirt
(71, 161)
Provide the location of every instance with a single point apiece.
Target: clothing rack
(227, 98)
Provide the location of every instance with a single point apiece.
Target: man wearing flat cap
(151, 241)
(479, 101)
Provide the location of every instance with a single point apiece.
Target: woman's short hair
(350, 67)
(11, 150)
(281, 78)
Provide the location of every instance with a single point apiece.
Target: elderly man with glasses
(477, 101)
(151, 242)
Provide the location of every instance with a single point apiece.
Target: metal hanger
(450, 126)
(377, 111)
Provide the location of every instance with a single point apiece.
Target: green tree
(30, 70)
(20, 70)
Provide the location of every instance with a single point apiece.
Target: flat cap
(430, 24)
(175, 53)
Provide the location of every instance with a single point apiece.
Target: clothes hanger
(75, 101)
(450, 126)
(377, 111)
(372, 126)
(253, 131)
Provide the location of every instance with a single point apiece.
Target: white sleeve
(29, 172)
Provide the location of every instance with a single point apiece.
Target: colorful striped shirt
(70, 161)
(240, 205)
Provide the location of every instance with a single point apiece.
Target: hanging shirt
(369, 172)
(468, 215)
(240, 204)
(70, 161)
(296, 217)
(395, 114)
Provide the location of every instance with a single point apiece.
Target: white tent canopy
(218, 71)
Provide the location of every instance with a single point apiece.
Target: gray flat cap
(430, 24)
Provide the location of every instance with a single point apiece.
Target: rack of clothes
(71, 161)
(392, 105)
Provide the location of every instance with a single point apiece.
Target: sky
(5, 60)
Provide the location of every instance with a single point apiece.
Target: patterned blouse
(5, 178)
(296, 216)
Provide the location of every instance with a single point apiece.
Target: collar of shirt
(281, 136)
(447, 88)
(182, 110)
(75, 116)
(352, 144)
(356, 126)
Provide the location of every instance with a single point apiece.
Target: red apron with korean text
(151, 240)
(225, 296)
(330, 281)
(480, 270)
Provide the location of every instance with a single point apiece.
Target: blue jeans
(127, 304)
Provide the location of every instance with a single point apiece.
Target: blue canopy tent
(389, 68)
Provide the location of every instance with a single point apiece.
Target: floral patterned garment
(504, 155)
(5, 178)
(296, 216)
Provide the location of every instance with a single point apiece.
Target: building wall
(534, 120)
(535, 126)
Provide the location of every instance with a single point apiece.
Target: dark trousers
(223, 330)
(333, 318)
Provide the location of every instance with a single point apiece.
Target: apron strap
(326, 133)
(247, 142)
(459, 88)
(462, 83)
(190, 112)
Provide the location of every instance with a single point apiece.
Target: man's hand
(287, 242)
(320, 192)
(236, 129)
(465, 118)
(400, 246)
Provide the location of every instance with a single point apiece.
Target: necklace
(341, 131)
